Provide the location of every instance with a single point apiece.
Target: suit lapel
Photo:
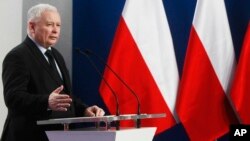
(63, 70)
(39, 56)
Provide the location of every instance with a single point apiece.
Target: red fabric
(202, 105)
(126, 59)
(240, 93)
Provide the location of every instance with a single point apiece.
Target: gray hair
(36, 11)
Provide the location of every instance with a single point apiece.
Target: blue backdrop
(94, 25)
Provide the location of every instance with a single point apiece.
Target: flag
(202, 106)
(142, 54)
(240, 94)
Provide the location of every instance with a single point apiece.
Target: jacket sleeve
(15, 78)
(80, 107)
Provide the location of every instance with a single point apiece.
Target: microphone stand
(117, 124)
(138, 121)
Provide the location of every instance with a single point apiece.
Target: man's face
(46, 30)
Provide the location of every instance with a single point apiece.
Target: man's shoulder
(19, 51)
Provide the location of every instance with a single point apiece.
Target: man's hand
(57, 101)
(94, 111)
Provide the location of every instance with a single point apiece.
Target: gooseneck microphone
(89, 52)
(117, 124)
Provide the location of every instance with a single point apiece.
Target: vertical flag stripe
(240, 90)
(203, 107)
(142, 54)
(154, 41)
(211, 24)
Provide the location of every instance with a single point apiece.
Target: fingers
(58, 90)
(64, 99)
(89, 113)
(100, 112)
(94, 111)
(62, 107)
(59, 102)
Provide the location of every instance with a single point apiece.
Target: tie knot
(49, 54)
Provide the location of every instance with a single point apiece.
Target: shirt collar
(41, 48)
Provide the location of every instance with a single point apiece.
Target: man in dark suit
(36, 81)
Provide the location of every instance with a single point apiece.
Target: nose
(56, 29)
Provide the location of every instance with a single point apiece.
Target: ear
(31, 26)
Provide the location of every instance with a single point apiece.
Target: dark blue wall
(94, 25)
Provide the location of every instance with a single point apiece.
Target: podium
(132, 134)
(98, 133)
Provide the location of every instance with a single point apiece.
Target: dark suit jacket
(28, 81)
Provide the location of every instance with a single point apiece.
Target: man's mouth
(53, 37)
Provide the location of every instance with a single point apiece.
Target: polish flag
(142, 54)
(202, 105)
(241, 85)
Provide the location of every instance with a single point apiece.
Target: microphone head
(78, 49)
(82, 52)
(87, 51)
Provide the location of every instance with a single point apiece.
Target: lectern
(98, 133)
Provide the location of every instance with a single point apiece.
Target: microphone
(105, 81)
(89, 52)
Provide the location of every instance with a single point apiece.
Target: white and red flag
(241, 85)
(142, 54)
(203, 106)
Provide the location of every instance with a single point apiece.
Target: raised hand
(57, 101)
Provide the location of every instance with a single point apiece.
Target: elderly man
(36, 81)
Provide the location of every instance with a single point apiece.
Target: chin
(52, 43)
